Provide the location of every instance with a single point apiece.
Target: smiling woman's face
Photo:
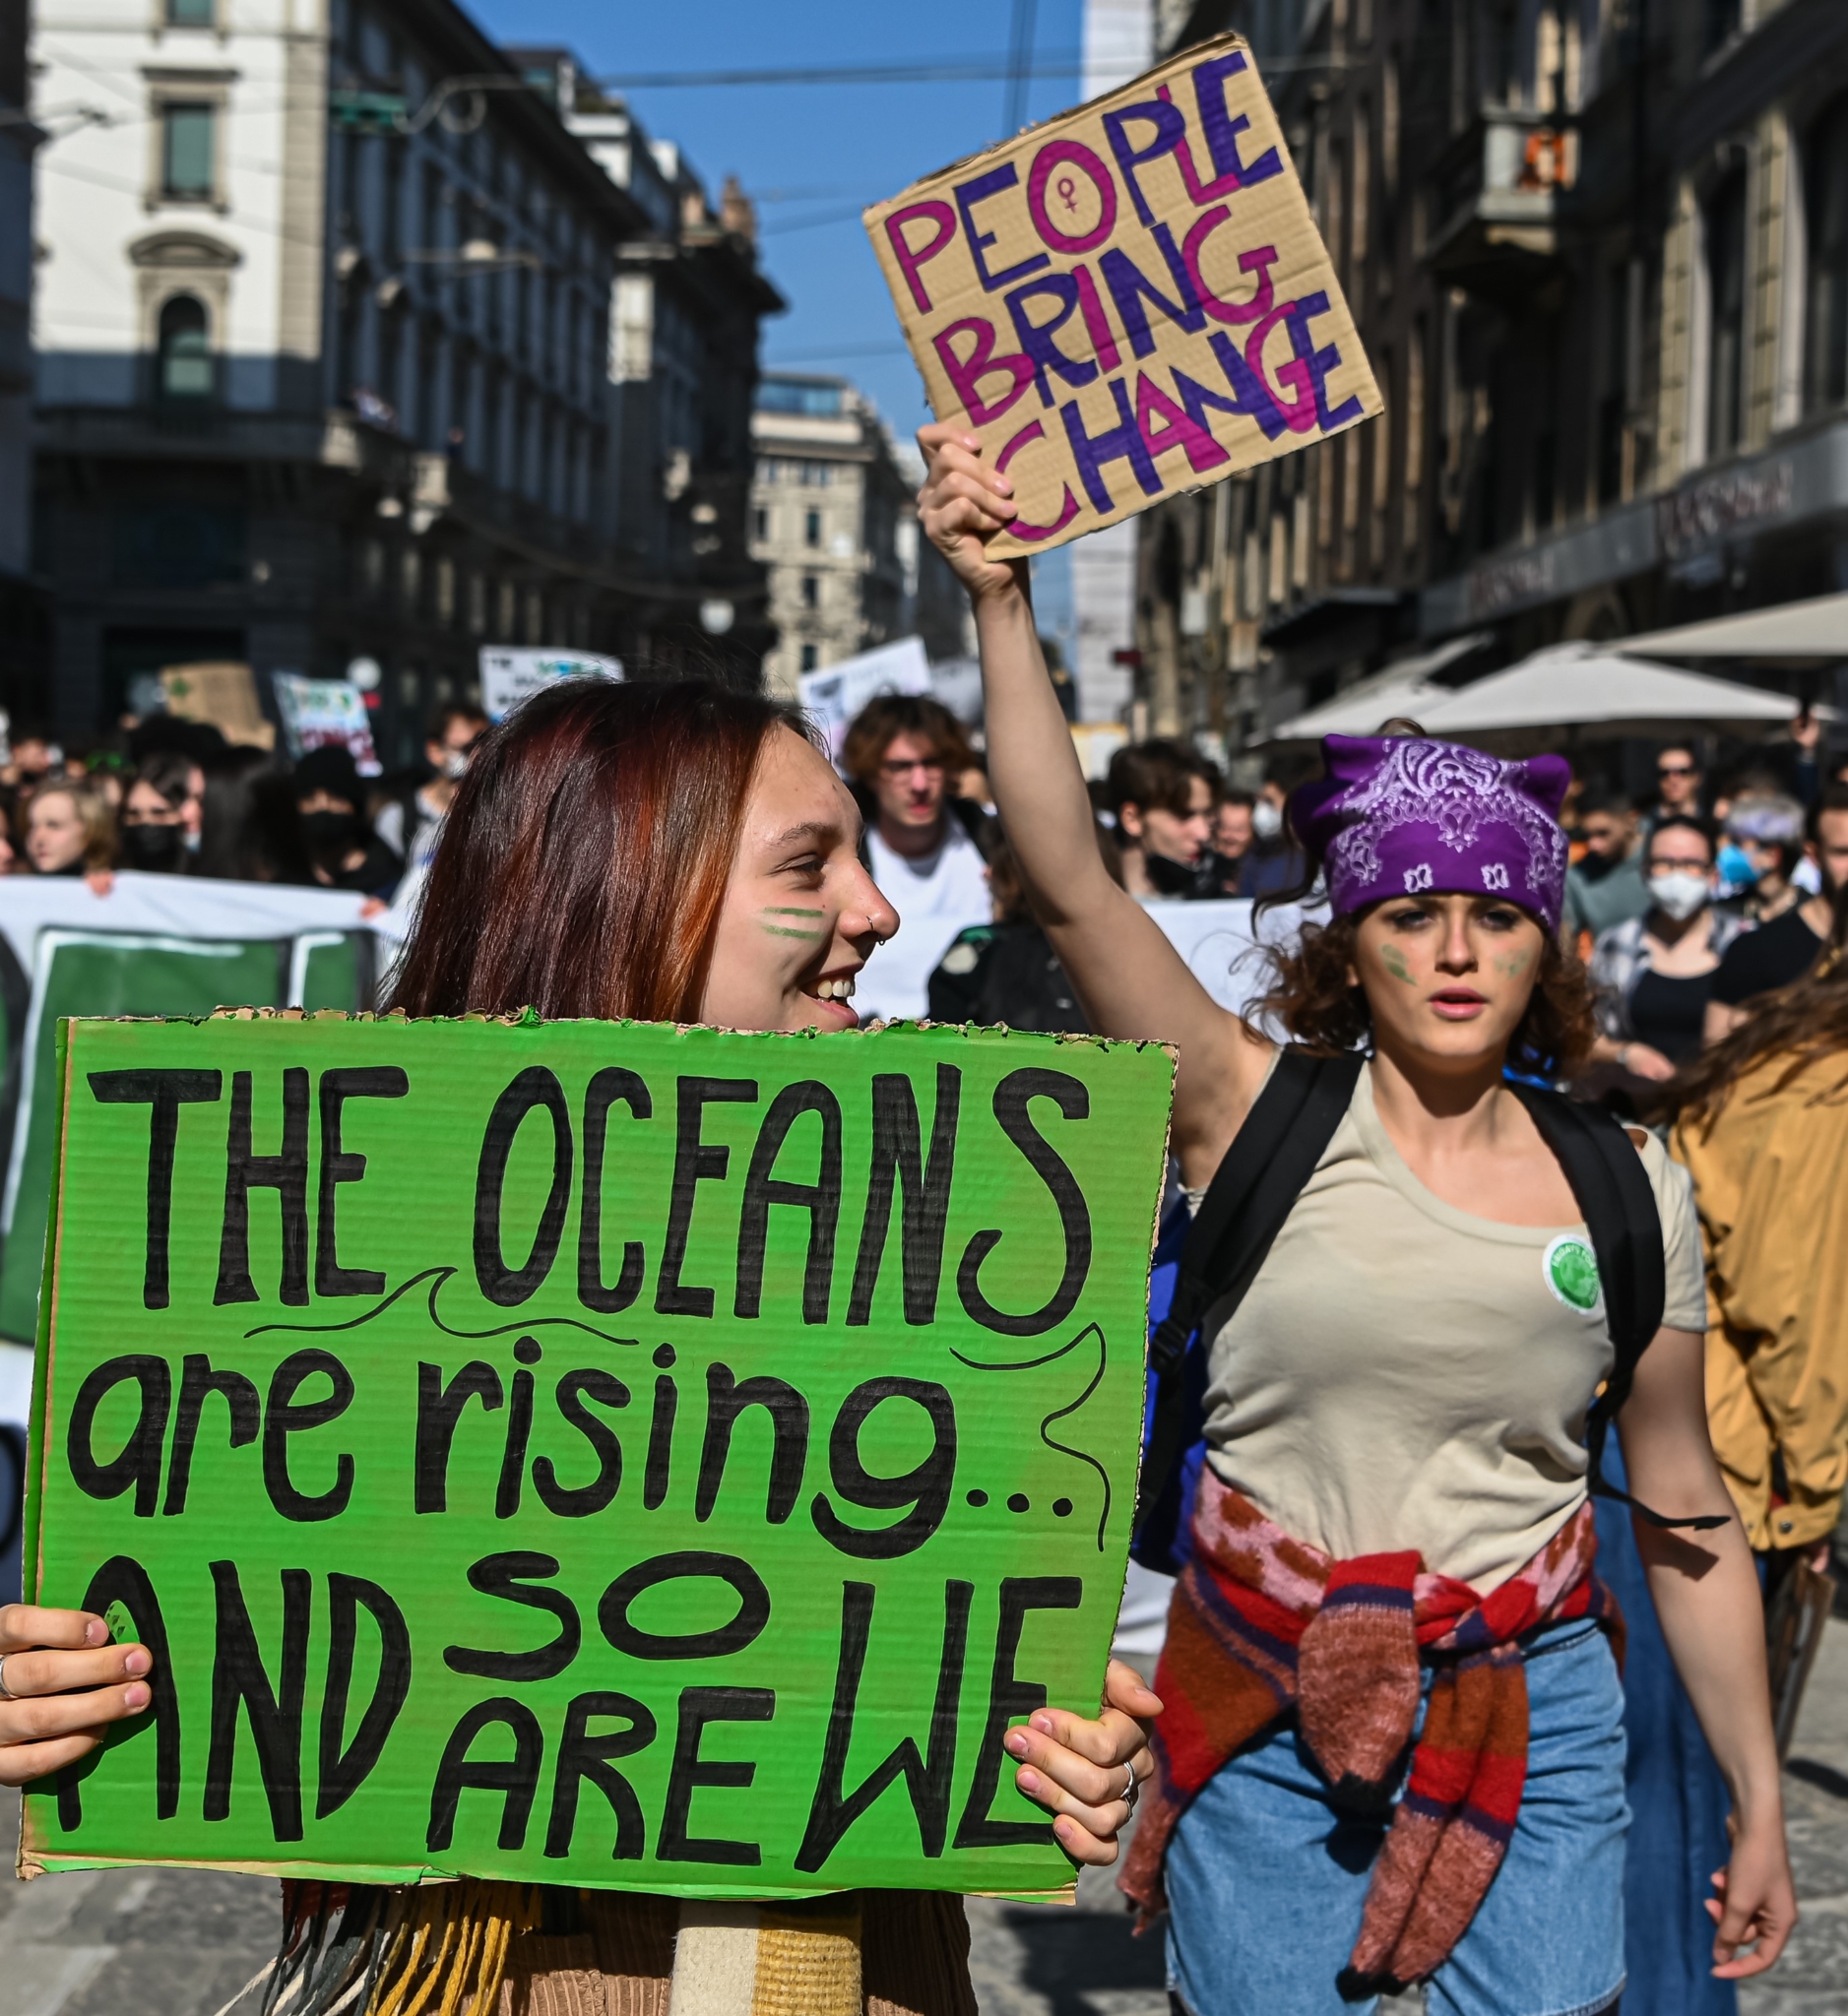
(800, 914)
(1447, 978)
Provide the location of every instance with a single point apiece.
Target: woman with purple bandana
(1392, 1747)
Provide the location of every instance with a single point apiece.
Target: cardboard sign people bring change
(593, 1453)
(1128, 301)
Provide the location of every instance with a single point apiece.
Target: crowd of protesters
(173, 797)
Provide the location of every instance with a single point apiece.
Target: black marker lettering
(284, 1416)
(238, 1679)
(285, 1173)
(744, 1629)
(700, 1706)
(165, 1092)
(898, 1157)
(439, 1409)
(138, 1467)
(503, 1575)
(582, 1756)
(344, 1771)
(382, 1081)
(821, 1199)
(725, 1399)
(1011, 1101)
(517, 1777)
(657, 1473)
(508, 1286)
(603, 1092)
(926, 1490)
(519, 1433)
(582, 1500)
(695, 1161)
(123, 1580)
(197, 1382)
(1010, 1700)
(926, 1779)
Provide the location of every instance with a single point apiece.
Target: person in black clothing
(159, 810)
(343, 852)
(1007, 971)
(1274, 864)
(1781, 952)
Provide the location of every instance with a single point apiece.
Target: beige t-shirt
(1405, 1375)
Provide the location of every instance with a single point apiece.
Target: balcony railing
(1499, 199)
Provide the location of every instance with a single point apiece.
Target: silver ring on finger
(1132, 1791)
(6, 1692)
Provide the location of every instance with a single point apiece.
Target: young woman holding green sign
(676, 853)
(1392, 1547)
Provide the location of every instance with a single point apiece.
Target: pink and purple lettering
(967, 373)
(1258, 260)
(1222, 129)
(978, 190)
(1179, 429)
(1096, 323)
(1069, 155)
(911, 256)
(1037, 337)
(1067, 511)
(1171, 132)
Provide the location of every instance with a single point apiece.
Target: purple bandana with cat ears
(1400, 815)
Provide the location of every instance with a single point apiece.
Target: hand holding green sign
(607, 1454)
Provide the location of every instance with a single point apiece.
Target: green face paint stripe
(784, 932)
(1393, 960)
(1514, 963)
(784, 910)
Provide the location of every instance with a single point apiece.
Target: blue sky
(848, 144)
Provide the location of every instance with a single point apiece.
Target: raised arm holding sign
(612, 1453)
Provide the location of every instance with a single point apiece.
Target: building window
(812, 657)
(189, 13)
(1726, 315)
(1613, 401)
(811, 590)
(811, 527)
(188, 145)
(760, 522)
(185, 353)
(1826, 344)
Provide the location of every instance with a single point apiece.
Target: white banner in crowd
(319, 713)
(833, 697)
(510, 676)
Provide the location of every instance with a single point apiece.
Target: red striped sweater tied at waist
(1262, 1625)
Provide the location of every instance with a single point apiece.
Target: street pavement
(180, 1942)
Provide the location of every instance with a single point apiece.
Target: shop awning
(1407, 688)
(1817, 628)
(1590, 686)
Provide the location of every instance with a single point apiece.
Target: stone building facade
(1598, 253)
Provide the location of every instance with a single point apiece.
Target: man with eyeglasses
(925, 845)
(1678, 783)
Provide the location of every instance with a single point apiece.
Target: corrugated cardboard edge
(28, 1862)
(1002, 546)
(32, 1862)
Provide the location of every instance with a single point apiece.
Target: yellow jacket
(1771, 1181)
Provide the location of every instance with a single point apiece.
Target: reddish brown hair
(880, 722)
(584, 861)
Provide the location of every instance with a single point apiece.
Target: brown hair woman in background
(611, 853)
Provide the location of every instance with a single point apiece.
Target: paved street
(158, 1943)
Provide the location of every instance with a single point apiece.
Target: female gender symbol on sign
(1068, 190)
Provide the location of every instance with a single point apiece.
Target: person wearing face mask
(1760, 847)
(1161, 793)
(1273, 862)
(343, 852)
(1653, 974)
(155, 816)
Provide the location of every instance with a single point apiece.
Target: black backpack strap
(1614, 1192)
(1258, 1183)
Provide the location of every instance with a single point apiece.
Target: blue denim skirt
(1266, 1880)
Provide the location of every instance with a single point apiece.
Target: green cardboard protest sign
(600, 1453)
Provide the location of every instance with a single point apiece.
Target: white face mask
(1267, 820)
(455, 765)
(1680, 892)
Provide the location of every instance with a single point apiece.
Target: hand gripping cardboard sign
(1129, 301)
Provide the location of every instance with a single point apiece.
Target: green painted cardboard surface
(601, 1643)
(114, 973)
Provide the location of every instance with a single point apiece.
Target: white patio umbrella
(1407, 688)
(1581, 687)
(1815, 628)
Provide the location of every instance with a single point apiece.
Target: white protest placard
(1128, 301)
(321, 713)
(509, 674)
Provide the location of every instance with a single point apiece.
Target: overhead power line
(946, 70)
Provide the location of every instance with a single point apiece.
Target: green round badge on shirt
(1571, 1270)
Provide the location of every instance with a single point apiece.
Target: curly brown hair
(1313, 997)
